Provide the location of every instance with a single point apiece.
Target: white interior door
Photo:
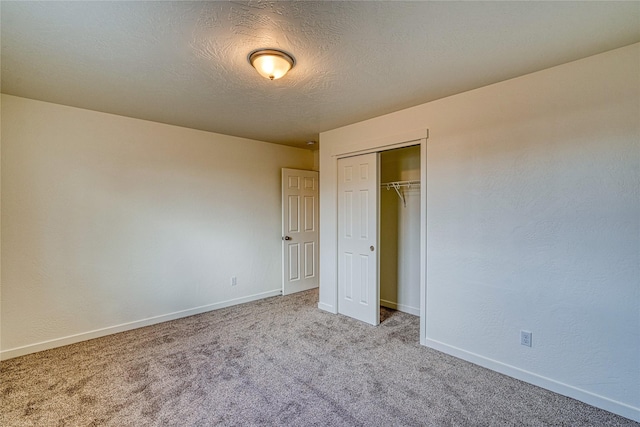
(299, 230)
(358, 287)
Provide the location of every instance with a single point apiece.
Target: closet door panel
(358, 238)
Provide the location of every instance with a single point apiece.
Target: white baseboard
(327, 307)
(589, 398)
(400, 307)
(84, 336)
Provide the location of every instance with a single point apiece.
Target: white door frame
(418, 137)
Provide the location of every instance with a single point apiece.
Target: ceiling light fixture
(271, 63)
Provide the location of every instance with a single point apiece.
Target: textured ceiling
(185, 63)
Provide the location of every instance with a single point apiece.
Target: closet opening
(380, 239)
(399, 229)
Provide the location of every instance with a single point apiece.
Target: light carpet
(278, 361)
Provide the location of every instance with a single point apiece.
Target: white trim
(423, 239)
(380, 149)
(406, 139)
(400, 307)
(326, 307)
(97, 333)
(589, 398)
(381, 144)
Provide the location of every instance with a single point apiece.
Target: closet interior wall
(400, 232)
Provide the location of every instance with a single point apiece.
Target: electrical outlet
(525, 338)
(234, 280)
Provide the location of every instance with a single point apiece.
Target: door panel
(310, 214)
(310, 255)
(299, 230)
(358, 238)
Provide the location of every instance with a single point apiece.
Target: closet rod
(397, 185)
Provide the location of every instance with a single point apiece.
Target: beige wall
(109, 222)
(533, 223)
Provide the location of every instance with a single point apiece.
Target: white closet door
(299, 230)
(358, 290)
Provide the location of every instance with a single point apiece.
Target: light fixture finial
(271, 63)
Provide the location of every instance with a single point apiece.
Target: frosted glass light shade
(271, 63)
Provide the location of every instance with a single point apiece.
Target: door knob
(286, 238)
(372, 248)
